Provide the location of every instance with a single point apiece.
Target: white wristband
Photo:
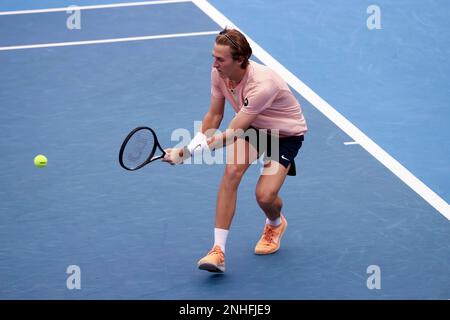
(198, 144)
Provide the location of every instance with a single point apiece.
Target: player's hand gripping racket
(139, 149)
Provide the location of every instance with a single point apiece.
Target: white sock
(220, 238)
(274, 223)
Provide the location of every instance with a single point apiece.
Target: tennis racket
(139, 149)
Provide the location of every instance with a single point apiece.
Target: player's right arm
(214, 116)
(211, 121)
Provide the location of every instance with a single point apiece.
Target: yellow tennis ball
(40, 161)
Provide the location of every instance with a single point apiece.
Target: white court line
(79, 43)
(101, 6)
(349, 128)
(350, 143)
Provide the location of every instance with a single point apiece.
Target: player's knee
(265, 196)
(233, 174)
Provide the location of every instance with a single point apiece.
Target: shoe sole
(211, 267)
(279, 244)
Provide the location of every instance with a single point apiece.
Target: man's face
(223, 61)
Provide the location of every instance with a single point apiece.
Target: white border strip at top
(386, 159)
(100, 6)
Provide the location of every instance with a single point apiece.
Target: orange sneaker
(271, 238)
(214, 261)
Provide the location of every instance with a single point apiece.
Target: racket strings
(138, 148)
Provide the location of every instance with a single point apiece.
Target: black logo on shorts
(245, 102)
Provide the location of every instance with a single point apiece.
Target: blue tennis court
(372, 184)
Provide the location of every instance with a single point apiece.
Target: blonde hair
(240, 48)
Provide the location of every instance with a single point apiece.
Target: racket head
(139, 148)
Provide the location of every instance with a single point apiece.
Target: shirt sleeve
(260, 97)
(216, 91)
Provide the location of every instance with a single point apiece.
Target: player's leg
(270, 202)
(267, 190)
(268, 186)
(239, 157)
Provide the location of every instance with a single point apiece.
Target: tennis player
(265, 106)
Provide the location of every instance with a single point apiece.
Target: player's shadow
(215, 279)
